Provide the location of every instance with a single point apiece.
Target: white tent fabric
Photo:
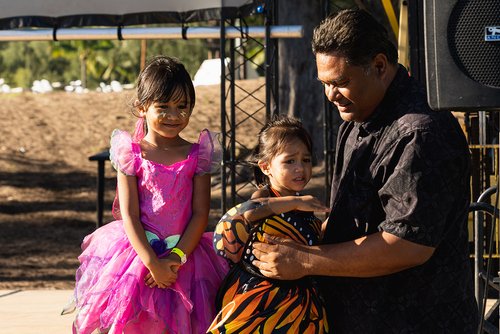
(56, 8)
(47, 20)
(78, 13)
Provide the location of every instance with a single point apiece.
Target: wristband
(180, 253)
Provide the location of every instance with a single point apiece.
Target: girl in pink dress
(154, 270)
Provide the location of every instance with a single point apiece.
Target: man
(395, 255)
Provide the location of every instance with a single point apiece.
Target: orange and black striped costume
(251, 303)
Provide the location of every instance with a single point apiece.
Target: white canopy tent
(78, 13)
(28, 20)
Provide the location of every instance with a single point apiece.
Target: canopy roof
(80, 13)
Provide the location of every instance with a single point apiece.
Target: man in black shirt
(395, 255)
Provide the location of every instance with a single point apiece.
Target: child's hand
(310, 203)
(164, 274)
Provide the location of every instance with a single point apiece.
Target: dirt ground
(48, 185)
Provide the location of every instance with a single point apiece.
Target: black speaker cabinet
(462, 54)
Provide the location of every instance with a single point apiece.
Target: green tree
(32, 64)
(120, 63)
(190, 52)
(86, 53)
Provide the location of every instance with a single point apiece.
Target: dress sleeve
(121, 152)
(209, 153)
(233, 229)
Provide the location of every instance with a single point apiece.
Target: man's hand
(281, 258)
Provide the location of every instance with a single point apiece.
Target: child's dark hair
(164, 79)
(272, 139)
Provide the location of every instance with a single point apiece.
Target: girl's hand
(310, 203)
(163, 274)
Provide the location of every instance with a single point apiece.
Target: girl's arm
(129, 207)
(277, 205)
(199, 218)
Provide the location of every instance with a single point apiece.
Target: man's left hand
(280, 258)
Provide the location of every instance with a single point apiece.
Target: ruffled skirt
(111, 295)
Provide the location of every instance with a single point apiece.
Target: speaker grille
(478, 59)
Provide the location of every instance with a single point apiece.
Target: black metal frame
(485, 218)
(231, 162)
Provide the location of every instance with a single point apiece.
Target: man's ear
(380, 62)
(264, 167)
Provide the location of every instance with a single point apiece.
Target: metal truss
(236, 171)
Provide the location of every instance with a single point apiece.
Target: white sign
(492, 34)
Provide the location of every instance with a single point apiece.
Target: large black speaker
(462, 54)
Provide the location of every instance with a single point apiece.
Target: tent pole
(232, 99)
(222, 36)
(124, 33)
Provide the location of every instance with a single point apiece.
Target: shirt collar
(382, 112)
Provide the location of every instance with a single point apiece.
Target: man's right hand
(281, 258)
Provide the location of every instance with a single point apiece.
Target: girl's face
(167, 119)
(290, 170)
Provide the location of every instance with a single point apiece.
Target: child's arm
(161, 272)
(277, 205)
(199, 218)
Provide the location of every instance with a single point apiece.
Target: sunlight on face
(291, 169)
(167, 119)
(171, 110)
(354, 90)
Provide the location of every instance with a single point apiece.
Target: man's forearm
(374, 255)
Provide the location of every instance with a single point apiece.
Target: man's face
(355, 90)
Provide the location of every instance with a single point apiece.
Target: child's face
(290, 170)
(168, 119)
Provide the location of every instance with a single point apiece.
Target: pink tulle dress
(110, 292)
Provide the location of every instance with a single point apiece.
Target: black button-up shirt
(405, 171)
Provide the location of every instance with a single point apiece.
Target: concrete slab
(34, 312)
(39, 311)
